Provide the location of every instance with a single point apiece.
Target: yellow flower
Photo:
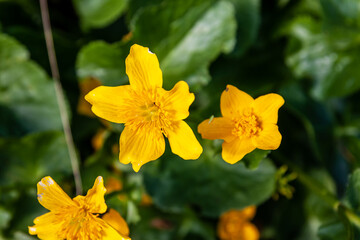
(71, 219)
(235, 225)
(246, 123)
(148, 111)
(114, 219)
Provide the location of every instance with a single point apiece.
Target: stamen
(247, 125)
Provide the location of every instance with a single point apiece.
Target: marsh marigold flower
(235, 225)
(246, 123)
(148, 111)
(77, 218)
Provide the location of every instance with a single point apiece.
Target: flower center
(149, 111)
(247, 125)
(80, 224)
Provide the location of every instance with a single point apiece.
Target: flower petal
(233, 101)
(46, 226)
(51, 196)
(248, 213)
(94, 198)
(269, 138)
(111, 103)
(177, 101)
(217, 128)
(141, 145)
(267, 107)
(234, 151)
(142, 67)
(183, 141)
(109, 233)
(114, 219)
(250, 231)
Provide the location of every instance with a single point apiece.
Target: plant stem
(60, 95)
(319, 189)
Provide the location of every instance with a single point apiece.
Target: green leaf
(185, 35)
(332, 231)
(11, 51)
(99, 13)
(329, 58)
(5, 217)
(26, 93)
(353, 190)
(211, 185)
(248, 23)
(26, 160)
(253, 159)
(341, 12)
(103, 61)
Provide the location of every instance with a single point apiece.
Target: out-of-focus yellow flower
(146, 200)
(148, 112)
(73, 219)
(86, 85)
(235, 225)
(113, 184)
(127, 37)
(98, 139)
(246, 123)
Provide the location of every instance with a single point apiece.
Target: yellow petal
(234, 151)
(141, 145)
(177, 101)
(269, 138)
(233, 101)
(250, 231)
(183, 141)
(46, 226)
(114, 219)
(110, 233)
(267, 107)
(217, 128)
(142, 67)
(51, 196)
(94, 198)
(248, 213)
(111, 103)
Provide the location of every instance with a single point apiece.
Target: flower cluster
(235, 225)
(151, 113)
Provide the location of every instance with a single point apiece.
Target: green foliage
(102, 61)
(305, 50)
(332, 231)
(99, 13)
(176, 184)
(48, 153)
(26, 93)
(186, 36)
(328, 55)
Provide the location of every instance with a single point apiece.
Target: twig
(60, 95)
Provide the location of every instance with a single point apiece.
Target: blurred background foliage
(306, 50)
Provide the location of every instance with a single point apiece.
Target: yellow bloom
(114, 219)
(246, 123)
(148, 112)
(235, 225)
(71, 219)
